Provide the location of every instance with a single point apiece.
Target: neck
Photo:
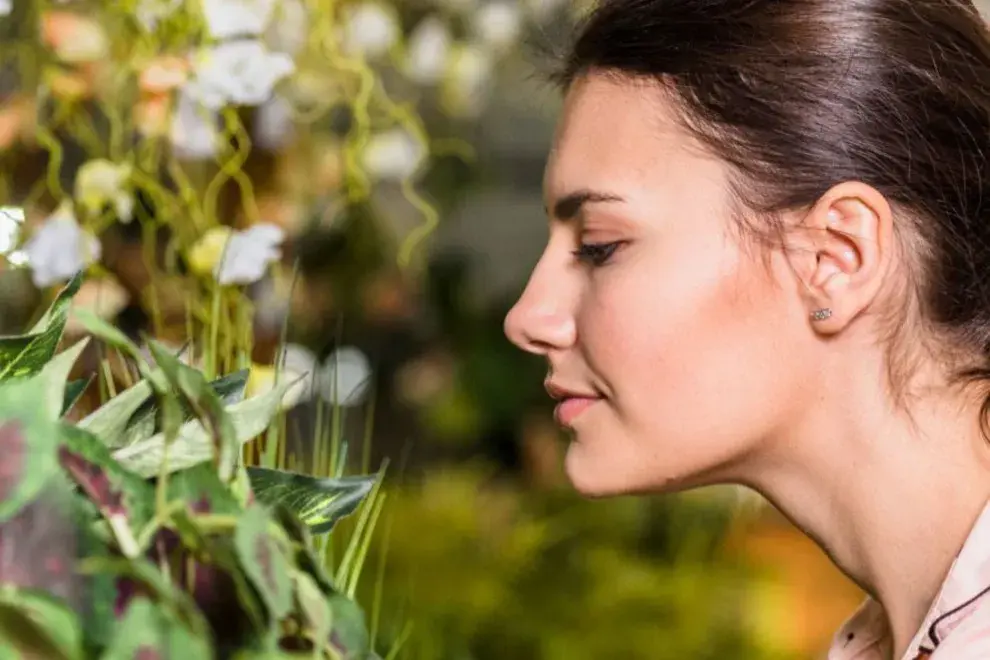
(889, 501)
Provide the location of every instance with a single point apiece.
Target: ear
(847, 248)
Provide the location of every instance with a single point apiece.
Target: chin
(592, 475)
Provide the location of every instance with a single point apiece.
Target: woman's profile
(769, 264)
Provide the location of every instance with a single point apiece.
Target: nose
(540, 322)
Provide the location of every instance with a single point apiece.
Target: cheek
(685, 350)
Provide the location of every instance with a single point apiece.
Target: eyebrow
(570, 205)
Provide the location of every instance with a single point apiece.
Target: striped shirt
(957, 627)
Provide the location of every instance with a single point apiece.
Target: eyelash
(596, 254)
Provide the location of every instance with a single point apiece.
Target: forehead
(618, 132)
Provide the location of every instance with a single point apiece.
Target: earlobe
(851, 228)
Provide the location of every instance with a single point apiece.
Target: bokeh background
(380, 164)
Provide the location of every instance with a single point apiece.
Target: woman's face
(679, 348)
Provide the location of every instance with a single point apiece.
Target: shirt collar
(963, 589)
(965, 586)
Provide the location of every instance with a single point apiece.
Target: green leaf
(73, 392)
(154, 582)
(109, 421)
(55, 374)
(319, 503)
(201, 487)
(28, 440)
(138, 495)
(60, 306)
(99, 328)
(141, 424)
(305, 559)
(37, 625)
(230, 388)
(193, 444)
(26, 355)
(349, 635)
(207, 406)
(96, 484)
(150, 633)
(312, 603)
(263, 561)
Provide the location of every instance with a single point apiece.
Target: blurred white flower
(150, 12)
(345, 377)
(248, 254)
(60, 248)
(288, 31)
(469, 80)
(238, 72)
(370, 29)
(232, 18)
(498, 24)
(393, 154)
(11, 221)
(273, 126)
(100, 182)
(6, 6)
(297, 365)
(429, 45)
(193, 132)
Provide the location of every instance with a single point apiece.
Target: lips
(572, 402)
(571, 408)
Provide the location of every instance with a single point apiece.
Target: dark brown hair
(800, 95)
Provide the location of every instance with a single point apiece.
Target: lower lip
(569, 409)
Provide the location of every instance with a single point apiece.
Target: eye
(596, 254)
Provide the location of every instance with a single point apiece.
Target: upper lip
(560, 392)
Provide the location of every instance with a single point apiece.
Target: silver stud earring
(821, 314)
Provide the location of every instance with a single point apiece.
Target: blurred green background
(397, 148)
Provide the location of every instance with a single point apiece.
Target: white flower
(429, 46)
(273, 123)
(288, 32)
(498, 24)
(150, 12)
(393, 154)
(296, 365)
(100, 182)
(6, 6)
(11, 221)
(60, 248)
(468, 83)
(248, 254)
(345, 377)
(370, 29)
(193, 132)
(238, 72)
(232, 18)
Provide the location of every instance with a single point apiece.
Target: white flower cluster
(460, 71)
(241, 69)
(343, 379)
